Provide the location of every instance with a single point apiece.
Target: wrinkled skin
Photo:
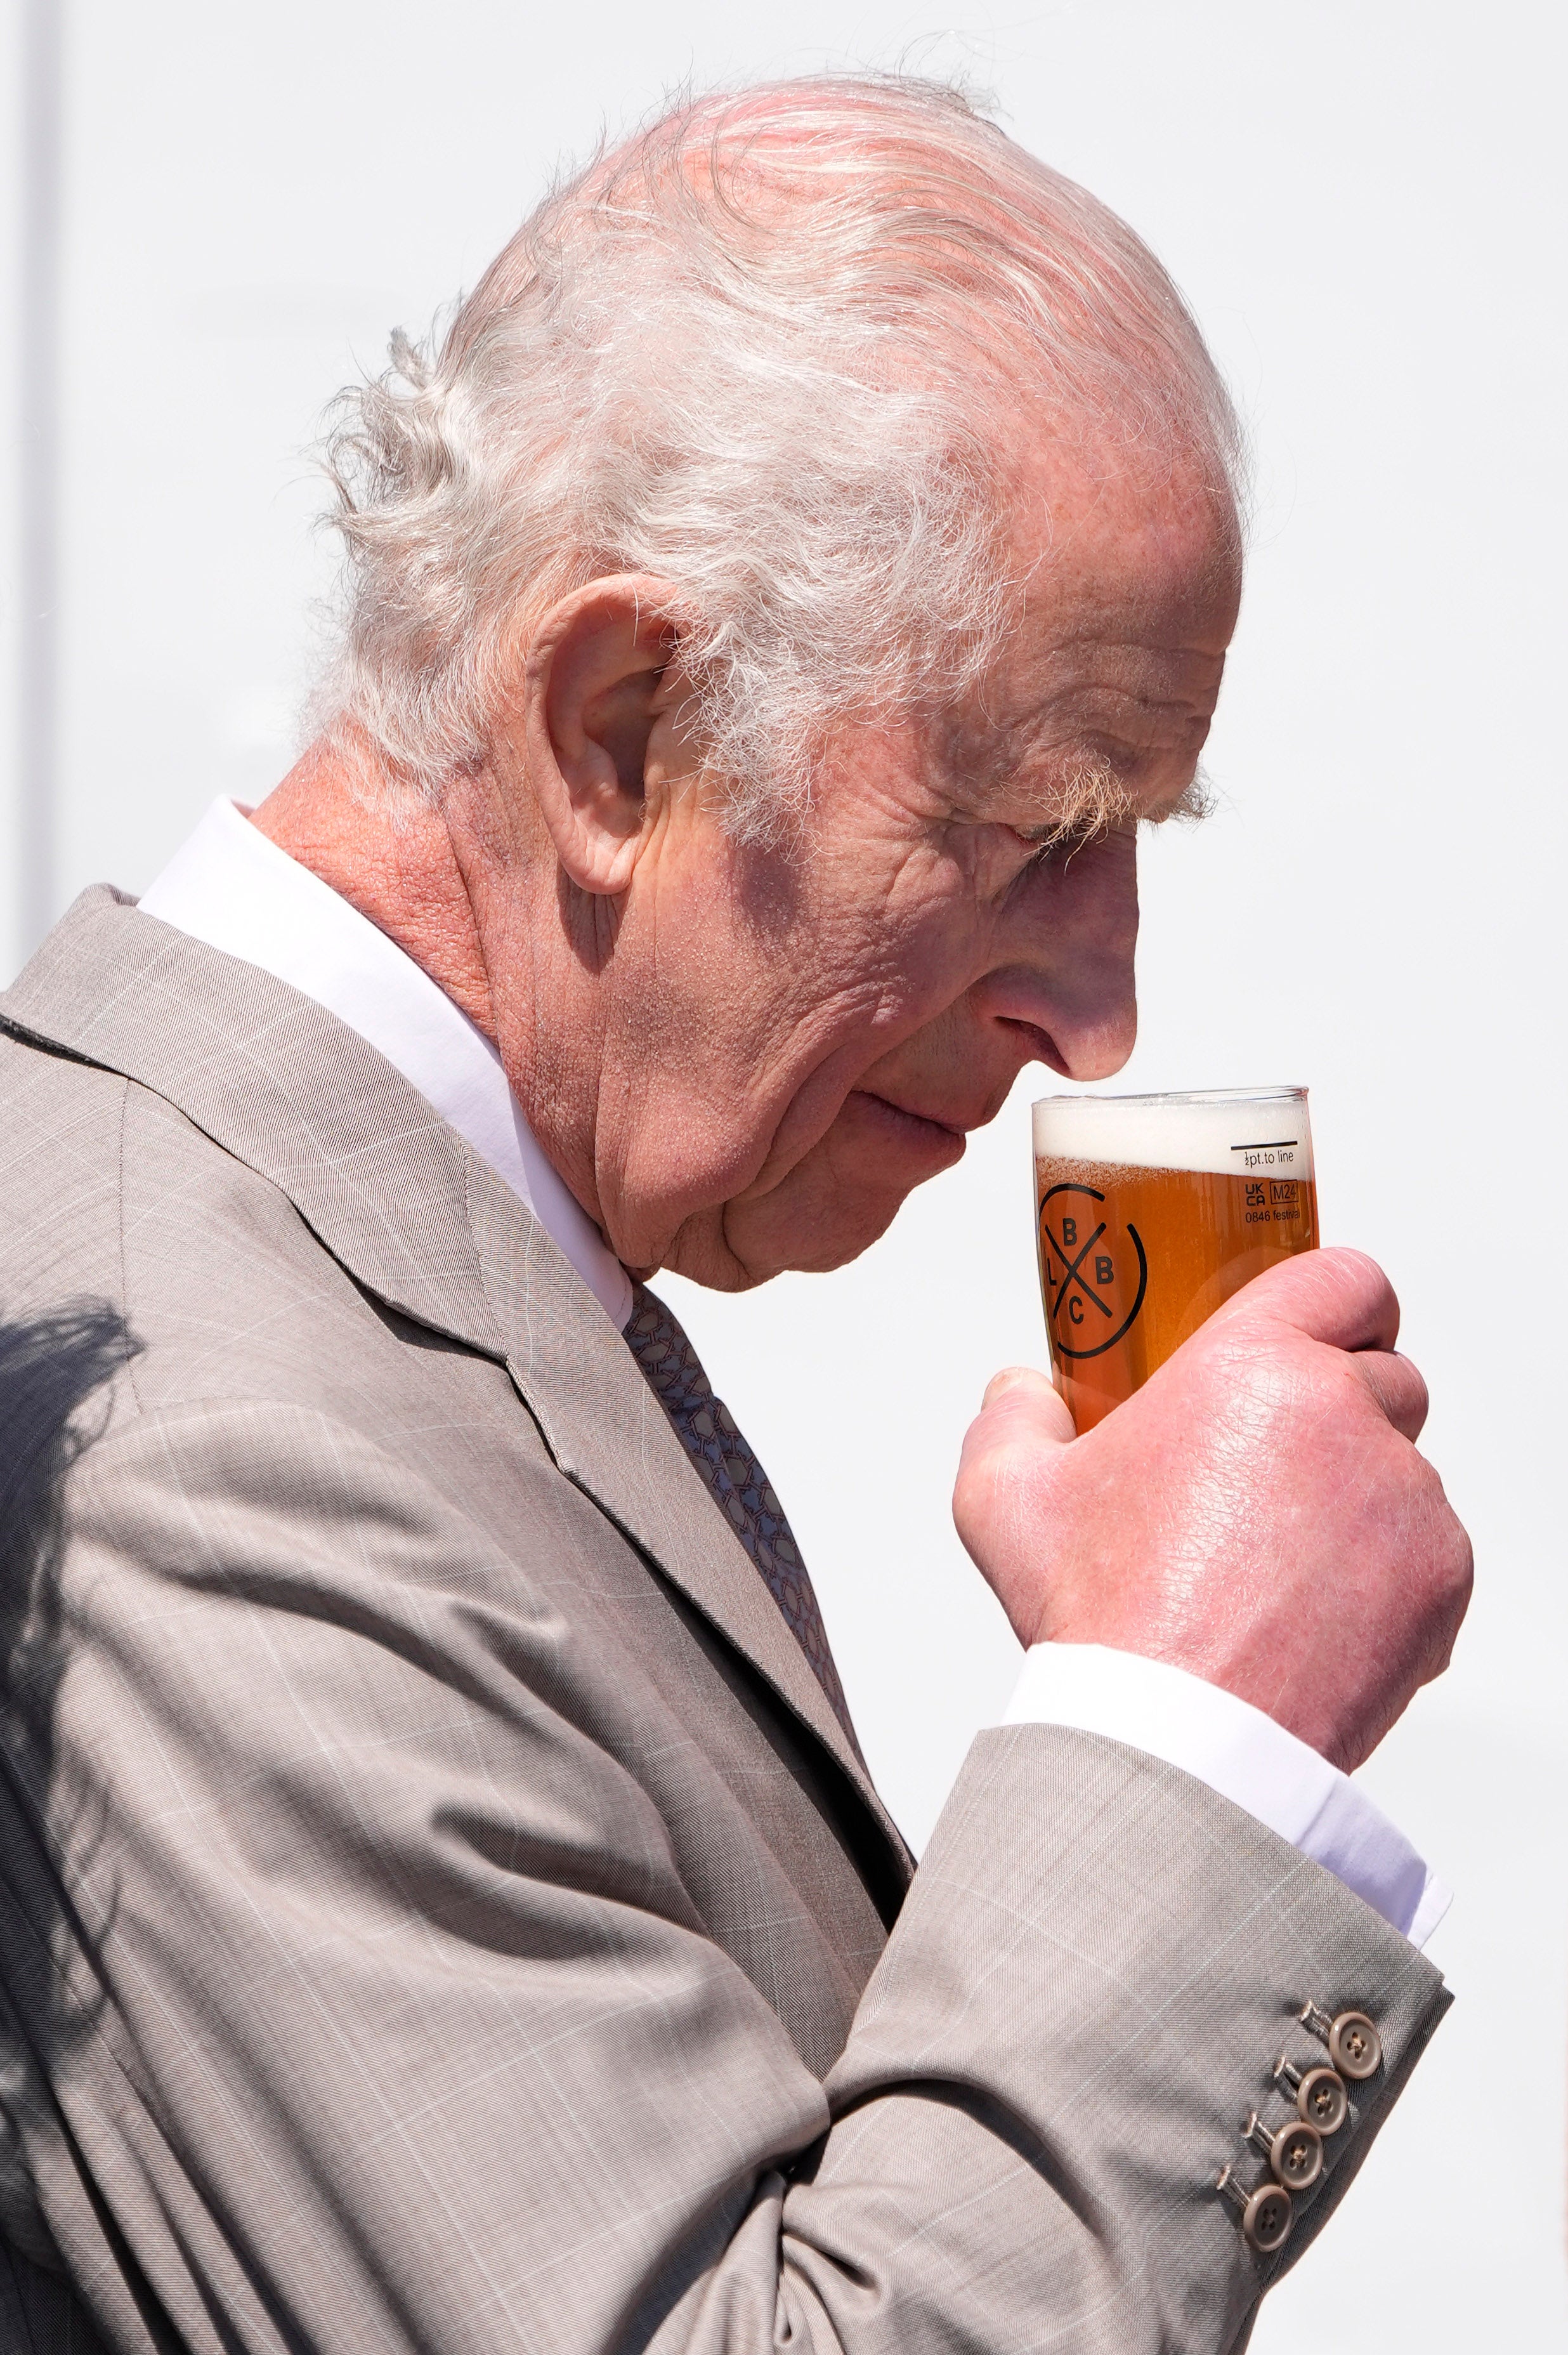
(1256, 1514)
(742, 1059)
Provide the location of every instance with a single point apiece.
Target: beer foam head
(1236, 1131)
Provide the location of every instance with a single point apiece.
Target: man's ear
(597, 698)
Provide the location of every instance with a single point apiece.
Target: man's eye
(1061, 835)
(1092, 801)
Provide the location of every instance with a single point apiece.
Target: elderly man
(444, 1905)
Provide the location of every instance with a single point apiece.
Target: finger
(1339, 1296)
(1396, 1385)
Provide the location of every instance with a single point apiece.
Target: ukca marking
(1078, 1293)
(1273, 1200)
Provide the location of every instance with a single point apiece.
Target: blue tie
(738, 1483)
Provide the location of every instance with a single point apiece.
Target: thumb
(1021, 1417)
(1020, 1404)
(1022, 1425)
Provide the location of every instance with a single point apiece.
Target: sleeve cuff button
(1321, 2099)
(1355, 2047)
(1267, 2213)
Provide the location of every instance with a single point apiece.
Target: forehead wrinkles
(1079, 696)
(1127, 581)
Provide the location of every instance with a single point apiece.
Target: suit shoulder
(60, 1179)
(231, 1295)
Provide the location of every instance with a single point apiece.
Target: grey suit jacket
(438, 1909)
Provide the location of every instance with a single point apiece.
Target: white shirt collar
(229, 885)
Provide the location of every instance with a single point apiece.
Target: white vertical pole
(38, 503)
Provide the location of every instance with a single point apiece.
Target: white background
(1364, 204)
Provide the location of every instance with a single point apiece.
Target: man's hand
(1257, 1514)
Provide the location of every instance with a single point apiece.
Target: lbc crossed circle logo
(1089, 1272)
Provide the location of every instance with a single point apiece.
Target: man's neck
(451, 894)
(401, 871)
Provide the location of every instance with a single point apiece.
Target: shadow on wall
(54, 1405)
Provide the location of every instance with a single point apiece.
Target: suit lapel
(609, 1433)
(401, 1202)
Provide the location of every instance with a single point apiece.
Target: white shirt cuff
(1243, 1755)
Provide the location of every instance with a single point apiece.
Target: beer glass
(1150, 1211)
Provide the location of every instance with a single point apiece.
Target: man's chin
(834, 1204)
(740, 1260)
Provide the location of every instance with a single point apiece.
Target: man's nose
(1068, 975)
(1086, 1033)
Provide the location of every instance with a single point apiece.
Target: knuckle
(1449, 1562)
(1462, 1574)
(1354, 1267)
(1363, 1281)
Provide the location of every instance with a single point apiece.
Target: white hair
(758, 350)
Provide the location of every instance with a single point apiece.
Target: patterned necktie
(740, 1485)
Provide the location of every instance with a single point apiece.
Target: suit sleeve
(1243, 1754)
(354, 2000)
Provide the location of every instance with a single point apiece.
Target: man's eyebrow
(1195, 802)
(1093, 801)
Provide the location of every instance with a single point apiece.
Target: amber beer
(1150, 1211)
